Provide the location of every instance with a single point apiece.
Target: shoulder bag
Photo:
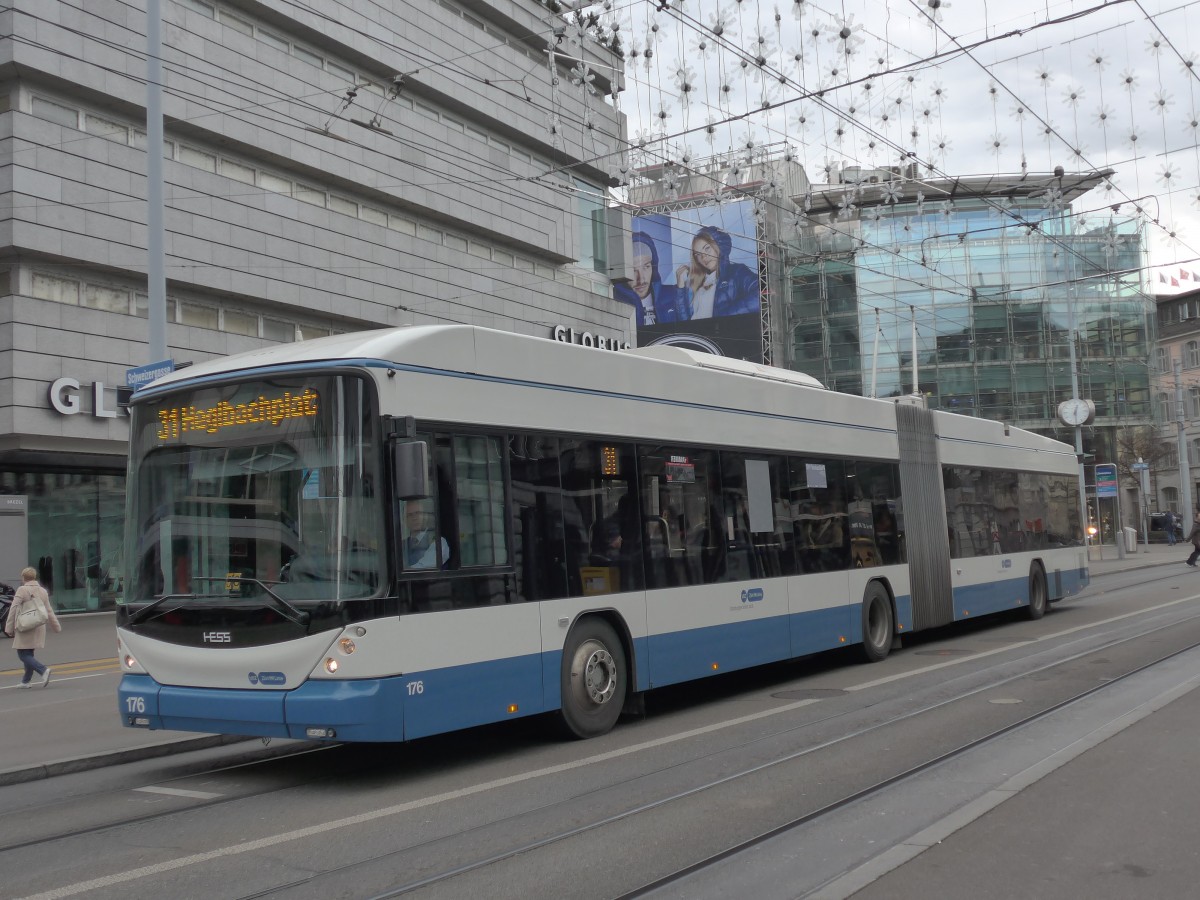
(32, 616)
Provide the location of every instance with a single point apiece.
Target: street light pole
(156, 287)
(1083, 517)
(1185, 474)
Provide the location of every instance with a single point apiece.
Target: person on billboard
(712, 285)
(653, 300)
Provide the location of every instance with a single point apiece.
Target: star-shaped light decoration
(846, 207)
(1154, 46)
(584, 79)
(1162, 102)
(891, 192)
(619, 170)
(703, 46)
(1129, 80)
(760, 47)
(798, 8)
(934, 10)
(1112, 244)
(725, 89)
(1167, 174)
(1073, 96)
(801, 120)
(847, 36)
(685, 81)
(721, 24)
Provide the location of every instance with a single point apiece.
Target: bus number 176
(416, 687)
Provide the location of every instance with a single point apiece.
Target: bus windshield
(266, 484)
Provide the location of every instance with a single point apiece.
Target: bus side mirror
(410, 463)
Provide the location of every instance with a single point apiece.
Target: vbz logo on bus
(752, 595)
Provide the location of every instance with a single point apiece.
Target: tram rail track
(450, 873)
(446, 875)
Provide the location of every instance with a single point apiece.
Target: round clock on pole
(1076, 411)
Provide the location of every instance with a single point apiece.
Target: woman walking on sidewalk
(30, 594)
(1194, 539)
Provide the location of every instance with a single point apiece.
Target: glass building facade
(997, 277)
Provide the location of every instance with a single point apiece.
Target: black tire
(594, 679)
(1039, 597)
(878, 625)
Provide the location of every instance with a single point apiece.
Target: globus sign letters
(567, 335)
(66, 399)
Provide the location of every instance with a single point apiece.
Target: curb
(115, 758)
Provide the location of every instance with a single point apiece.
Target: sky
(961, 87)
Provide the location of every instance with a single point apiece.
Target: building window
(1191, 355)
(1164, 408)
(236, 171)
(197, 316)
(107, 298)
(241, 323)
(106, 128)
(343, 205)
(55, 112)
(274, 183)
(190, 156)
(51, 287)
(309, 195)
(1164, 360)
(276, 330)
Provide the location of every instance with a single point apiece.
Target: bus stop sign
(1106, 480)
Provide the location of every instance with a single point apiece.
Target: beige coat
(35, 639)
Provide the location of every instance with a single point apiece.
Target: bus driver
(419, 549)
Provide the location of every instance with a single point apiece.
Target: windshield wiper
(144, 613)
(290, 612)
(293, 614)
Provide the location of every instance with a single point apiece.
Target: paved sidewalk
(75, 725)
(1106, 559)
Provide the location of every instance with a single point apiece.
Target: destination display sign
(177, 421)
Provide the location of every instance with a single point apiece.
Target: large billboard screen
(694, 280)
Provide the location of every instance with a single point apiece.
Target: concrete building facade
(384, 164)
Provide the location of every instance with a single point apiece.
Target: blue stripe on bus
(418, 704)
(1011, 593)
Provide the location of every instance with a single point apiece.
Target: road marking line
(1004, 648)
(86, 665)
(179, 792)
(83, 887)
(37, 683)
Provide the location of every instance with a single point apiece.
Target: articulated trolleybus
(390, 534)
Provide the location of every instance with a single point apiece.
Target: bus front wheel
(594, 679)
(878, 626)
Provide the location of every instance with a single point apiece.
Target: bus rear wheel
(1039, 597)
(878, 626)
(594, 679)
